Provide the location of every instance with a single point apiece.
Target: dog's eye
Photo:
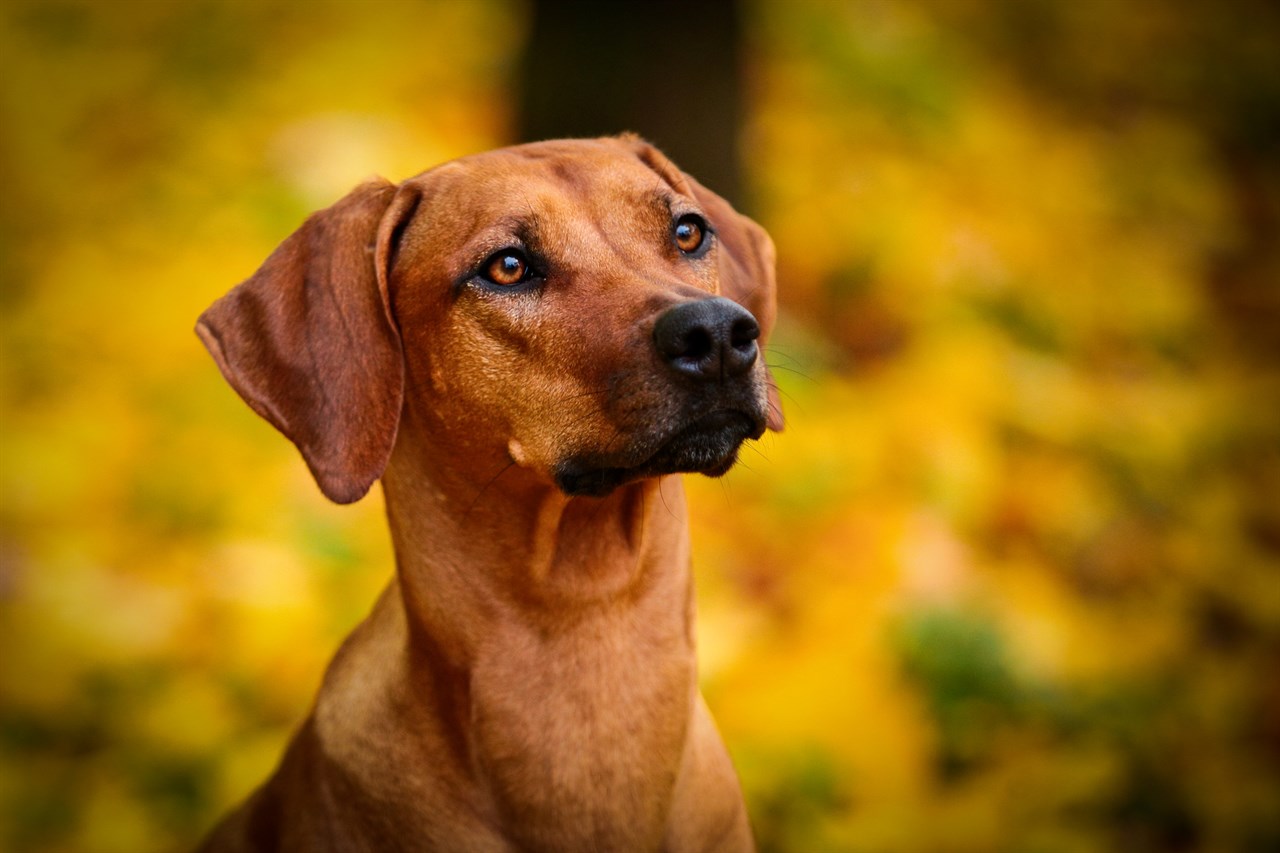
(690, 232)
(506, 268)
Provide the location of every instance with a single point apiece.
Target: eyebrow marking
(663, 168)
(515, 231)
(664, 200)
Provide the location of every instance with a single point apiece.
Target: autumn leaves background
(1009, 579)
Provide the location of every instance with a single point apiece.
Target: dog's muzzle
(709, 346)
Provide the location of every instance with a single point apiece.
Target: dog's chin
(708, 445)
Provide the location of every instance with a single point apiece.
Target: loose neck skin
(480, 539)
(550, 632)
(498, 542)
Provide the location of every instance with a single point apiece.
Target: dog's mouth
(708, 445)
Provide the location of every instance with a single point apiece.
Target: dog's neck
(508, 543)
(549, 629)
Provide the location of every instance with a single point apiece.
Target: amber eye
(690, 231)
(507, 267)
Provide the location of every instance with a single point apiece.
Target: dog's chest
(581, 734)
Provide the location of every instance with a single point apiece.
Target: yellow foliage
(1006, 582)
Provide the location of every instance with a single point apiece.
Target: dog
(523, 345)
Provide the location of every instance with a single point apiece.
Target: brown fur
(528, 680)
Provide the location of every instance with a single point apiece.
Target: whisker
(485, 488)
(791, 370)
(590, 392)
(724, 490)
(661, 482)
(644, 511)
(782, 393)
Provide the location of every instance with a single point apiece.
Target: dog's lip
(707, 444)
(718, 420)
(711, 421)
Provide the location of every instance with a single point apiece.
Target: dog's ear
(747, 272)
(310, 343)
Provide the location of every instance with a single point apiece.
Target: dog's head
(580, 306)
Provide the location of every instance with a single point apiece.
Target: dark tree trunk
(666, 70)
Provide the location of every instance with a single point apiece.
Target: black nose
(708, 339)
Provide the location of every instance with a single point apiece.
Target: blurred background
(1009, 581)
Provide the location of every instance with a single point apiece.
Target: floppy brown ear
(747, 272)
(310, 344)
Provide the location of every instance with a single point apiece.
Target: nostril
(743, 333)
(697, 344)
(681, 338)
(742, 351)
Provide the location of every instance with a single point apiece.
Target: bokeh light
(1010, 579)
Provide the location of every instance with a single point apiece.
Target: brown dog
(521, 344)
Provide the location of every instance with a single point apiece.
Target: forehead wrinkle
(627, 240)
(525, 227)
(663, 199)
(578, 220)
